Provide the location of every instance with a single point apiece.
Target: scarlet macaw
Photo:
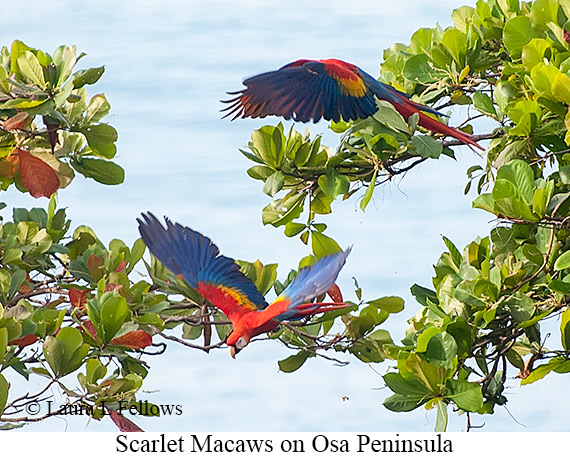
(217, 278)
(330, 89)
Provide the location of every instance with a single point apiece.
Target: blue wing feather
(312, 282)
(304, 91)
(194, 256)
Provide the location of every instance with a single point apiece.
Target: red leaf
(136, 339)
(116, 287)
(24, 340)
(95, 266)
(37, 176)
(78, 298)
(121, 267)
(335, 294)
(88, 325)
(124, 424)
(566, 35)
(17, 122)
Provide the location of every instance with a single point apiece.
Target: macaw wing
(305, 90)
(197, 259)
(309, 283)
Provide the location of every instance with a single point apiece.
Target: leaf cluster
(49, 127)
(504, 61)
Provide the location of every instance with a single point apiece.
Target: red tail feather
(407, 107)
(308, 309)
(438, 127)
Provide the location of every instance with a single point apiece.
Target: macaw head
(249, 326)
(237, 341)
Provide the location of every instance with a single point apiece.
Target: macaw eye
(241, 343)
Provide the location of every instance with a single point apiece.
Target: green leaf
(483, 103)
(519, 173)
(274, 184)
(462, 16)
(31, 69)
(561, 88)
(455, 254)
(485, 202)
(520, 306)
(441, 349)
(369, 191)
(427, 146)
(321, 202)
(423, 294)
(294, 228)
(543, 12)
(191, 332)
(428, 374)
(74, 350)
(334, 184)
(540, 372)
(508, 201)
(403, 403)
(114, 311)
(90, 76)
(421, 69)
(565, 329)
(294, 362)
(408, 387)
(466, 395)
(268, 142)
(441, 418)
(64, 58)
(4, 387)
(283, 210)
(563, 261)
(101, 137)
(94, 370)
(18, 47)
(517, 33)
(97, 109)
(425, 336)
(101, 171)
(260, 172)
(22, 103)
(3, 343)
(54, 351)
(533, 52)
(388, 116)
(323, 245)
(390, 304)
(456, 42)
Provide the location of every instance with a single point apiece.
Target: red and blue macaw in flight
(330, 89)
(217, 278)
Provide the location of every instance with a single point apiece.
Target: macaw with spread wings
(217, 278)
(331, 89)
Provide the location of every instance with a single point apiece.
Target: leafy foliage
(71, 310)
(36, 86)
(507, 62)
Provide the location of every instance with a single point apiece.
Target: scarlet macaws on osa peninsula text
(217, 278)
(331, 89)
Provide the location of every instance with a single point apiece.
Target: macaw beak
(233, 351)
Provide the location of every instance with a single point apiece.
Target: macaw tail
(310, 309)
(436, 126)
(407, 107)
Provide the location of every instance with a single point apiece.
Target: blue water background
(168, 63)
